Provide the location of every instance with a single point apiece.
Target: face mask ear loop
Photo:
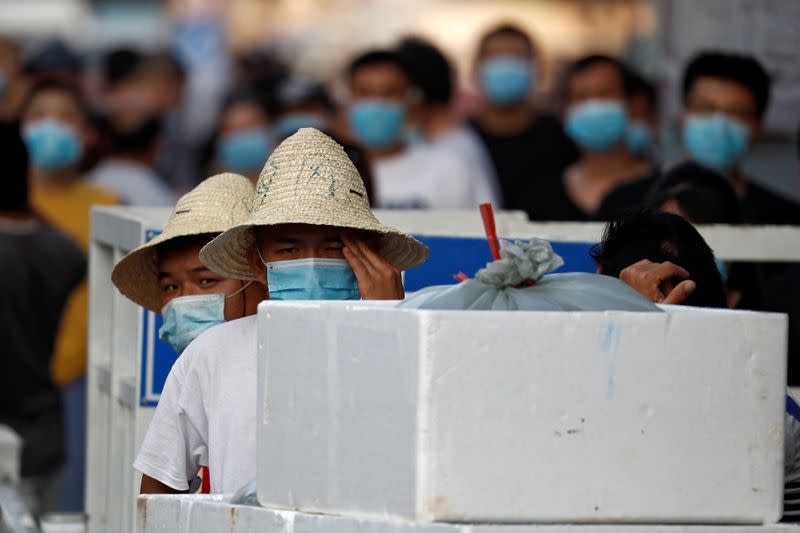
(266, 285)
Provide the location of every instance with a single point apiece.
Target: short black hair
(640, 84)
(589, 61)
(511, 30)
(378, 57)
(738, 68)
(704, 195)
(120, 64)
(15, 169)
(292, 93)
(429, 69)
(53, 55)
(56, 85)
(661, 237)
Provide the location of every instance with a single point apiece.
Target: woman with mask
(244, 138)
(608, 178)
(165, 274)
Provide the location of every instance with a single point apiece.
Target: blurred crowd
(121, 132)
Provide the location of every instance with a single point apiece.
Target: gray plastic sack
(517, 282)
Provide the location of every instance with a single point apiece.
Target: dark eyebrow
(332, 239)
(200, 269)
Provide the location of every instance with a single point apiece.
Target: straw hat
(215, 205)
(308, 179)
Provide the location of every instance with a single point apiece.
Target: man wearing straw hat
(312, 235)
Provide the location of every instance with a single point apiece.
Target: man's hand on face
(377, 279)
(654, 281)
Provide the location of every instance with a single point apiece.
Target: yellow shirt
(67, 208)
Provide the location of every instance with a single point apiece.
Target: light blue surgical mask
(311, 279)
(186, 317)
(377, 124)
(597, 125)
(715, 140)
(52, 145)
(244, 151)
(291, 124)
(722, 267)
(639, 138)
(506, 80)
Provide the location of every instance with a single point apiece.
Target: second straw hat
(308, 179)
(215, 205)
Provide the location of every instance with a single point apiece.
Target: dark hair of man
(15, 170)
(662, 237)
(704, 195)
(54, 85)
(120, 64)
(737, 68)
(375, 57)
(587, 62)
(429, 69)
(507, 29)
(247, 95)
(639, 84)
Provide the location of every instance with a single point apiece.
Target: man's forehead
(183, 258)
(299, 232)
(714, 88)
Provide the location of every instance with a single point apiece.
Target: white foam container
(459, 416)
(210, 514)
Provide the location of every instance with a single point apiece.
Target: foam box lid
(467, 416)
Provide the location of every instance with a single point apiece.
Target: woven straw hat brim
(212, 207)
(227, 253)
(308, 179)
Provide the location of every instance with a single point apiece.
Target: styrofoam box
(211, 514)
(469, 416)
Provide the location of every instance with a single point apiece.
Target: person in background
(608, 178)
(642, 135)
(301, 103)
(56, 131)
(525, 144)
(703, 196)
(435, 123)
(55, 60)
(12, 84)
(34, 296)
(381, 97)
(725, 99)
(133, 130)
(244, 137)
(663, 257)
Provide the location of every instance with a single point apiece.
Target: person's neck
(738, 181)
(439, 121)
(62, 178)
(144, 160)
(610, 165)
(379, 154)
(506, 120)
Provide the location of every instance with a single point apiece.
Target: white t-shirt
(134, 183)
(465, 143)
(425, 176)
(207, 412)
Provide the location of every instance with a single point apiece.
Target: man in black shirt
(39, 268)
(524, 145)
(725, 98)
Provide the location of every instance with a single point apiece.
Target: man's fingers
(357, 264)
(680, 293)
(668, 270)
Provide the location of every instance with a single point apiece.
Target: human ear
(257, 267)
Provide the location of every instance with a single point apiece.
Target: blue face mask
(377, 123)
(290, 124)
(722, 267)
(639, 138)
(506, 80)
(52, 145)
(244, 151)
(186, 317)
(597, 125)
(715, 140)
(311, 279)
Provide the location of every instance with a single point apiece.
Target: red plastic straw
(205, 487)
(461, 277)
(487, 213)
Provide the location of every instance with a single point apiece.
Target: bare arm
(154, 486)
